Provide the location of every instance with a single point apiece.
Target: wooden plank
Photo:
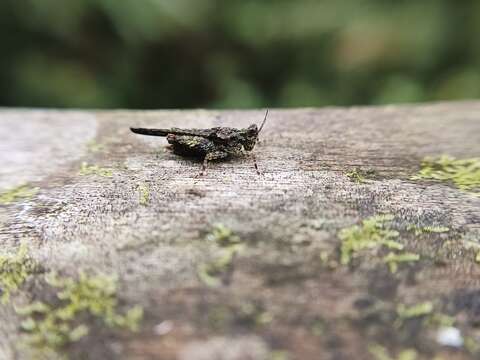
(109, 201)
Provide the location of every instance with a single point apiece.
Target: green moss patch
(223, 236)
(279, 355)
(373, 233)
(426, 312)
(392, 259)
(464, 173)
(51, 326)
(417, 310)
(20, 192)
(144, 193)
(224, 315)
(87, 169)
(14, 270)
(421, 318)
(428, 229)
(380, 353)
(360, 176)
(211, 273)
(95, 147)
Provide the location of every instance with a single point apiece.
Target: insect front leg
(251, 155)
(254, 158)
(213, 155)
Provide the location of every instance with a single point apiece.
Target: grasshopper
(217, 143)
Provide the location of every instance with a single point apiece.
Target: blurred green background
(245, 53)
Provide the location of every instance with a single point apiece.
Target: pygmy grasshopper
(217, 143)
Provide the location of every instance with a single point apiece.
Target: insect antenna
(263, 123)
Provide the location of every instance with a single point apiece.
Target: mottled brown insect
(209, 144)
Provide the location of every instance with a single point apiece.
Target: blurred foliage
(238, 53)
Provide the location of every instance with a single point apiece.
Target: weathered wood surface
(279, 299)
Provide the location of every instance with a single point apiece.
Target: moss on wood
(20, 192)
(464, 173)
(14, 270)
(51, 326)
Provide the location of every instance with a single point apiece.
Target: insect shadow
(217, 143)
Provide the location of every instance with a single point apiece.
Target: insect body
(209, 144)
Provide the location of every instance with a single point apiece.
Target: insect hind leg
(213, 155)
(190, 146)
